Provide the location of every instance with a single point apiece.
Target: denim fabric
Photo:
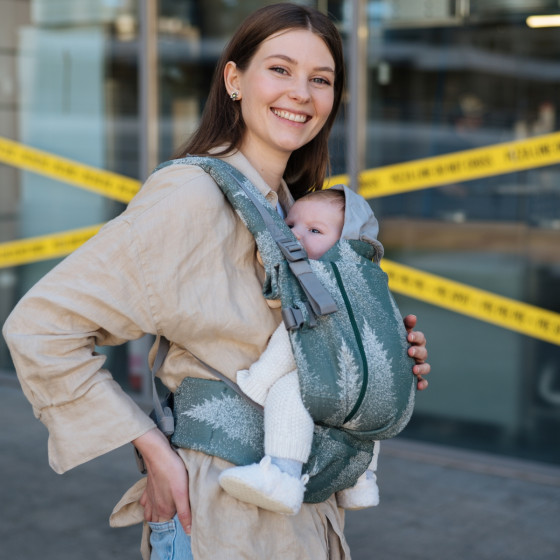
(169, 541)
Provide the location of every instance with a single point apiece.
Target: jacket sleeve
(96, 296)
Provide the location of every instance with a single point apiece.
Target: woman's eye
(279, 70)
(321, 81)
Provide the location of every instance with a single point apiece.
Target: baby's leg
(276, 483)
(288, 427)
(277, 360)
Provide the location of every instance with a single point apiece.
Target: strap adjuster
(320, 299)
(293, 318)
(291, 249)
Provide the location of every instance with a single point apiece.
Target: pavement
(436, 502)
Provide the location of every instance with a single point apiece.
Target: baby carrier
(348, 340)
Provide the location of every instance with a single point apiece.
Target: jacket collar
(241, 163)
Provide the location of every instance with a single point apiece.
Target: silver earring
(234, 95)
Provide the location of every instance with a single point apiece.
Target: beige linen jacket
(177, 262)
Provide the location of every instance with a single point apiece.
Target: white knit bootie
(266, 486)
(363, 494)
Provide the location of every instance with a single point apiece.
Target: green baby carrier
(348, 340)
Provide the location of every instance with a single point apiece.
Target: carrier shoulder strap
(226, 176)
(320, 300)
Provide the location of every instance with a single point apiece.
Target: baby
(318, 221)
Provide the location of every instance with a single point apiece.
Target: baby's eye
(314, 230)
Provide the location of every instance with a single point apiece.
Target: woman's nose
(300, 91)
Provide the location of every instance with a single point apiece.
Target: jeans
(169, 541)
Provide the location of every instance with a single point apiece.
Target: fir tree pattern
(349, 382)
(327, 279)
(349, 378)
(225, 414)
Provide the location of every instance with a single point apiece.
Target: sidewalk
(436, 503)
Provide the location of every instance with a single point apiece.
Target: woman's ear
(232, 78)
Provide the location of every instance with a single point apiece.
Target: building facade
(119, 84)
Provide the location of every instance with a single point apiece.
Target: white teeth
(290, 116)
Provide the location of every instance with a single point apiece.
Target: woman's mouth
(294, 117)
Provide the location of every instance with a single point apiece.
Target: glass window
(442, 81)
(68, 87)
(442, 76)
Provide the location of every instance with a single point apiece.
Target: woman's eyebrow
(292, 61)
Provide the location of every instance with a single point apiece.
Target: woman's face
(286, 93)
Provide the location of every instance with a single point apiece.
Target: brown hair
(222, 124)
(333, 196)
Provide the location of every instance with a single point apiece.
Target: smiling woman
(180, 263)
(309, 57)
(286, 95)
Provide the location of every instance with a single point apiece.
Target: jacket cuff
(101, 420)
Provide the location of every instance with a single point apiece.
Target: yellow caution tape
(486, 306)
(390, 179)
(480, 304)
(45, 247)
(458, 166)
(106, 183)
(430, 172)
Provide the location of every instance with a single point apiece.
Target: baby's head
(317, 220)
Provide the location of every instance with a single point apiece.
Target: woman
(179, 263)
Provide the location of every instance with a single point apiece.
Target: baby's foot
(266, 486)
(363, 494)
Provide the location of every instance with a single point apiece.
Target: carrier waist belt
(212, 418)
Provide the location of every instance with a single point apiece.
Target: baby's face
(317, 224)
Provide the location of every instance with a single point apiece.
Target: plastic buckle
(293, 318)
(291, 249)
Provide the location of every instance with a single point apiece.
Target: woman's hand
(417, 351)
(167, 489)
